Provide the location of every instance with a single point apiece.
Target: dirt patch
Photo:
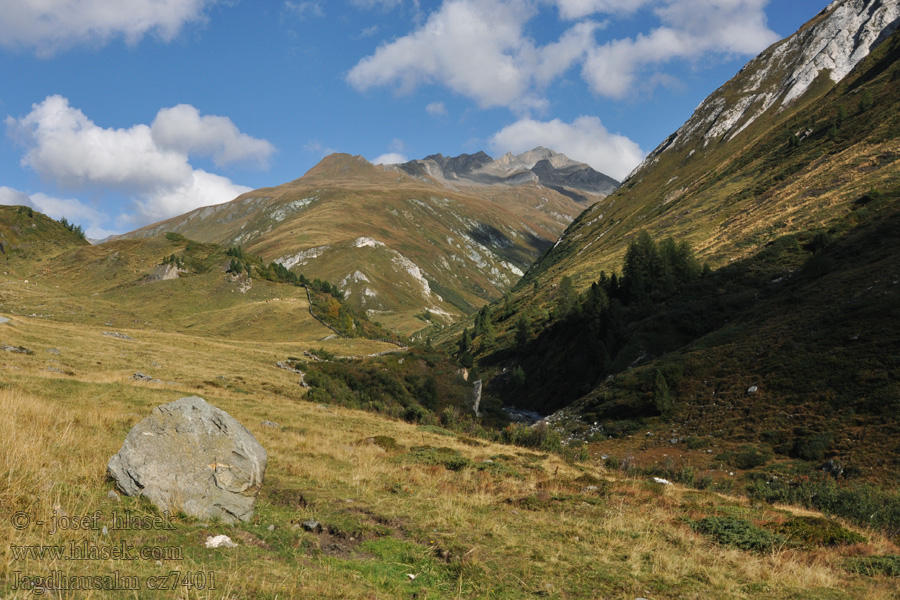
(382, 525)
(339, 544)
(287, 497)
(242, 538)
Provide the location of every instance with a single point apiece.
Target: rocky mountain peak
(831, 44)
(539, 165)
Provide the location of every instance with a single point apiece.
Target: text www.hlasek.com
(87, 551)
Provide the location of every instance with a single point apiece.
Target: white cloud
(556, 58)
(47, 26)
(382, 4)
(181, 128)
(585, 140)
(576, 9)
(691, 28)
(475, 47)
(481, 49)
(64, 145)
(201, 189)
(11, 197)
(67, 146)
(391, 158)
(316, 147)
(436, 108)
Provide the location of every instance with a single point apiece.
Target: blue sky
(119, 113)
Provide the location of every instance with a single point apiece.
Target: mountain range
(538, 166)
(413, 245)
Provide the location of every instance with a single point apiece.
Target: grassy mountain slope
(790, 170)
(125, 284)
(29, 236)
(798, 213)
(397, 245)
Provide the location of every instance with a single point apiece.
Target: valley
(406, 509)
(711, 347)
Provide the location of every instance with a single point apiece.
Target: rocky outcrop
(833, 43)
(165, 273)
(540, 165)
(192, 457)
(578, 176)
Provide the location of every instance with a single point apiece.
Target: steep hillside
(786, 183)
(410, 251)
(28, 235)
(781, 148)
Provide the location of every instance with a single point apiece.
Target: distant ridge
(540, 165)
(415, 246)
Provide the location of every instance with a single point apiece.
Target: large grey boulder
(192, 457)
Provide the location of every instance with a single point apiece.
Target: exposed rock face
(191, 456)
(577, 175)
(540, 165)
(165, 273)
(462, 164)
(834, 42)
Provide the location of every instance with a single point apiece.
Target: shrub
(662, 397)
(875, 565)
(323, 354)
(448, 458)
(539, 436)
(696, 443)
(816, 531)
(385, 443)
(747, 457)
(864, 504)
(813, 446)
(738, 533)
(415, 414)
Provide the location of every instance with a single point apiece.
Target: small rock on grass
(312, 525)
(16, 349)
(118, 335)
(220, 541)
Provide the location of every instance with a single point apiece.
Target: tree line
(584, 336)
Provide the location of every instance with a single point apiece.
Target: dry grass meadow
(398, 520)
